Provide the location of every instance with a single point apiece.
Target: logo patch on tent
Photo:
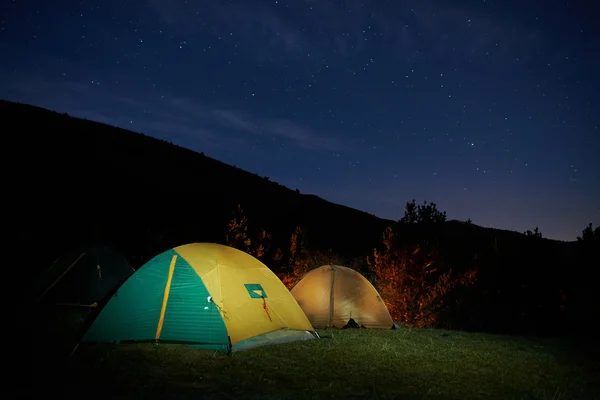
(256, 291)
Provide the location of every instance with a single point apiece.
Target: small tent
(72, 290)
(331, 295)
(83, 277)
(206, 295)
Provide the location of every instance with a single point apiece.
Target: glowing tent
(330, 295)
(202, 294)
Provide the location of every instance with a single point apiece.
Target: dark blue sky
(488, 108)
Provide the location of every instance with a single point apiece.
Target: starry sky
(488, 108)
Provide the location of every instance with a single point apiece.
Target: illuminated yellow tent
(202, 294)
(330, 295)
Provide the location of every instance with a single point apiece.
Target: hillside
(87, 180)
(78, 180)
(74, 181)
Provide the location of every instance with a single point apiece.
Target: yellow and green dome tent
(202, 294)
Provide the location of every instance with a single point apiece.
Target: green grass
(365, 364)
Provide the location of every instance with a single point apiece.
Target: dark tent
(71, 292)
(83, 277)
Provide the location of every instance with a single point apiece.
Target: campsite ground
(406, 363)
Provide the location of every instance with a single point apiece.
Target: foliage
(412, 281)
(412, 277)
(534, 234)
(589, 253)
(425, 214)
(357, 263)
(590, 235)
(301, 259)
(238, 235)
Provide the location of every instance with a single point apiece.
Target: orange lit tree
(301, 260)
(412, 276)
(238, 235)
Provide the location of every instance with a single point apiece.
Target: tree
(301, 259)
(589, 250)
(239, 237)
(411, 280)
(425, 214)
(534, 234)
(590, 235)
(411, 275)
(582, 287)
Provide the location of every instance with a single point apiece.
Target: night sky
(488, 108)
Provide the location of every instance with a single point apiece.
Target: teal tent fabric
(133, 313)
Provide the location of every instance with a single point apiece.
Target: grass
(366, 364)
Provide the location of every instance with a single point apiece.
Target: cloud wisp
(181, 117)
(259, 127)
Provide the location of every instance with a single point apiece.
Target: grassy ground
(365, 364)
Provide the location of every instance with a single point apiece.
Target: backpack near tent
(206, 295)
(333, 296)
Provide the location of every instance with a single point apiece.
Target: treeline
(411, 275)
(428, 281)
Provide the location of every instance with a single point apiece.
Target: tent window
(256, 291)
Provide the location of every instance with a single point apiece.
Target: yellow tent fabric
(203, 294)
(330, 295)
(225, 271)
